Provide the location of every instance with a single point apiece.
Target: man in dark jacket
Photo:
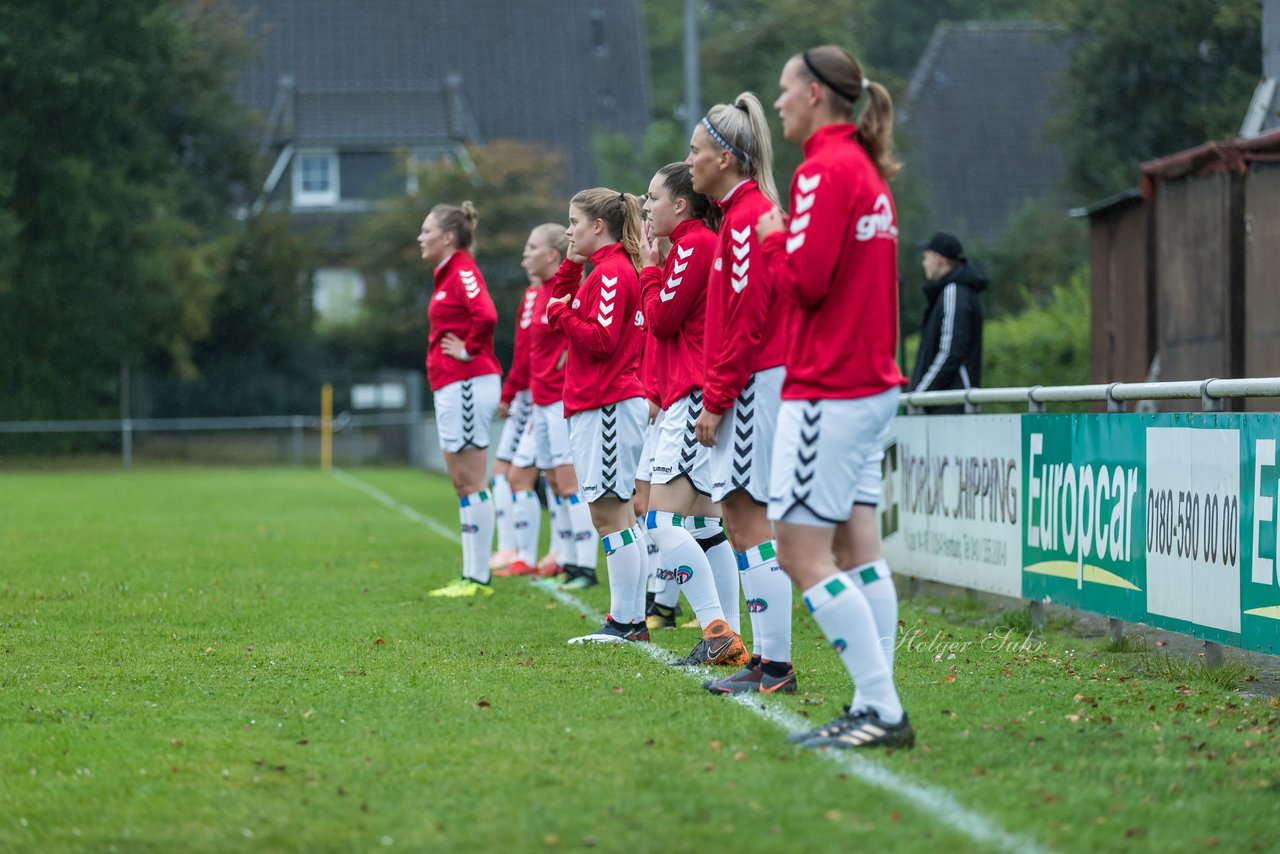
(950, 354)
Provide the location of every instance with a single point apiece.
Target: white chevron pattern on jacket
(668, 291)
(526, 317)
(469, 283)
(805, 195)
(608, 292)
(741, 251)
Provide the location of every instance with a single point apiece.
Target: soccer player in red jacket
(465, 380)
(836, 261)
(576, 546)
(731, 158)
(675, 305)
(516, 410)
(603, 321)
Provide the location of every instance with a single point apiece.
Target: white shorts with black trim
(645, 470)
(606, 448)
(743, 451)
(551, 436)
(520, 411)
(464, 411)
(826, 457)
(678, 452)
(526, 455)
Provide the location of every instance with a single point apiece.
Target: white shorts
(464, 411)
(744, 441)
(551, 436)
(826, 457)
(678, 452)
(513, 429)
(526, 455)
(606, 448)
(645, 471)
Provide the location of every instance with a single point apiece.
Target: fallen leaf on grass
(176, 742)
(739, 756)
(378, 642)
(715, 745)
(302, 741)
(483, 704)
(950, 677)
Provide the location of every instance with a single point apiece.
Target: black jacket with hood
(950, 354)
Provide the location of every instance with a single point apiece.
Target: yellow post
(326, 427)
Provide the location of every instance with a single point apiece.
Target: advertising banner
(1170, 520)
(950, 509)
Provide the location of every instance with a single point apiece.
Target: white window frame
(311, 198)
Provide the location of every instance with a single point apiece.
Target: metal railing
(1116, 395)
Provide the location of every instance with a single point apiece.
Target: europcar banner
(1168, 520)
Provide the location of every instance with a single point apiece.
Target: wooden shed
(1186, 270)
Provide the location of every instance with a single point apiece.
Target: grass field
(221, 659)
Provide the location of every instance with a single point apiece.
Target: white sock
(842, 613)
(642, 589)
(476, 512)
(623, 560)
(709, 532)
(686, 560)
(502, 500)
(876, 583)
(526, 515)
(586, 542)
(651, 559)
(564, 532)
(666, 592)
(768, 592)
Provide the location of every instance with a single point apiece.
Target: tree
(1142, 84)
(120, 148)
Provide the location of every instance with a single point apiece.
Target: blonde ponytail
(875, 131)
(632, 230)
(744, 126)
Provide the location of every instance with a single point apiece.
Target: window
(315, 178)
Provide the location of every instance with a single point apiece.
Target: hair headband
(724, 143)
(822, 78)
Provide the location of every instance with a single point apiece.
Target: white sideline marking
(935, 802)
(403, 509)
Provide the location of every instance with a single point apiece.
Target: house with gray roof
(977, 116)
(352, 79)
(344, 87)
